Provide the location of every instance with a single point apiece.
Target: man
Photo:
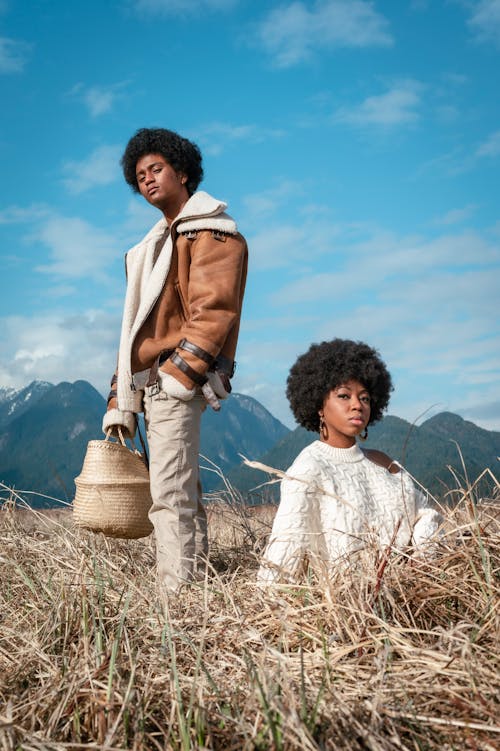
(185, 285)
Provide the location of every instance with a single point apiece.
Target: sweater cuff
(115, 417)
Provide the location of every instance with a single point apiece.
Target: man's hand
(117, 417)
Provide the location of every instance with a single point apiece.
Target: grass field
(389, 655)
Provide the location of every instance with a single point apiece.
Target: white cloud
(449, 297)
(453, 79)
(270, 395)
(487, 414)
(398, 106)
(76, 248)
(271, 247)
(283, 246)
(13, 55)
(266, 202)
(313, 287)
(431, 352)
(182, 7)
(490, 147)
(214, 137)
(59, 291)
(294, 32)
(255, 133)
(453, 163)
(100, 100)
(140, 217)
(360, 251)
(42, 347)
(100, 168)
(267, 384)
(426, 303)
(432, 323)
(447, 113)
(456, 216)
(22, 215)
(384, 264)
(485, 21)
(462, 160)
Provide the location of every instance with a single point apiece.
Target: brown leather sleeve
(213, 298)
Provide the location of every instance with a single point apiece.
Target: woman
(336, 498)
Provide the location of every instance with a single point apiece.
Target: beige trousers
(177, 513)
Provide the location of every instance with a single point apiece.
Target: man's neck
(172, 212)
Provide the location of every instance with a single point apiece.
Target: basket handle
(120, 436)
(144, 457)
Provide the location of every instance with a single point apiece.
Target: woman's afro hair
(183, 155)
(329, 364)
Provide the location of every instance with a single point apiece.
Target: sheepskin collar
(201, 211)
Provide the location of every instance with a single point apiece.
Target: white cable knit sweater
(335, 500)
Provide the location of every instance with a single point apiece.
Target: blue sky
(357, 144)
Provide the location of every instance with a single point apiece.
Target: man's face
(159, 183)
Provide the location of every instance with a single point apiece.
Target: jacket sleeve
(295, 531)
(217, 275)
(114, 417)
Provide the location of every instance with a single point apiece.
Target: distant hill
(14, 402)
(44, 431)
(426, 451)
(243, 426)
(42, 448)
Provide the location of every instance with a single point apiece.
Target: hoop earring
(364, 435)
(323, 430)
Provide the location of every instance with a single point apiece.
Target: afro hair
(183, 155)
(328, 365)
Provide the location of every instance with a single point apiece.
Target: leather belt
(153, 372)
(220, 362)
(164, 355)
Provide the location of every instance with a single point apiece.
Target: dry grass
(395, 656)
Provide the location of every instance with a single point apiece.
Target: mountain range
(443, 454)
(44, 430)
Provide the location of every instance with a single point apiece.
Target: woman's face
(346, 412)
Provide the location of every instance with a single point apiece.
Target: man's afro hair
(329, 364)
(183, 155)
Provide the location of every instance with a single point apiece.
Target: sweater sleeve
(427, 521)
(295, 531)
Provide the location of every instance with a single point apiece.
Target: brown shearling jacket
(201, 302)
(199, 299)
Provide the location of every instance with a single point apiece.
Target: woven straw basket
(112, 491)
